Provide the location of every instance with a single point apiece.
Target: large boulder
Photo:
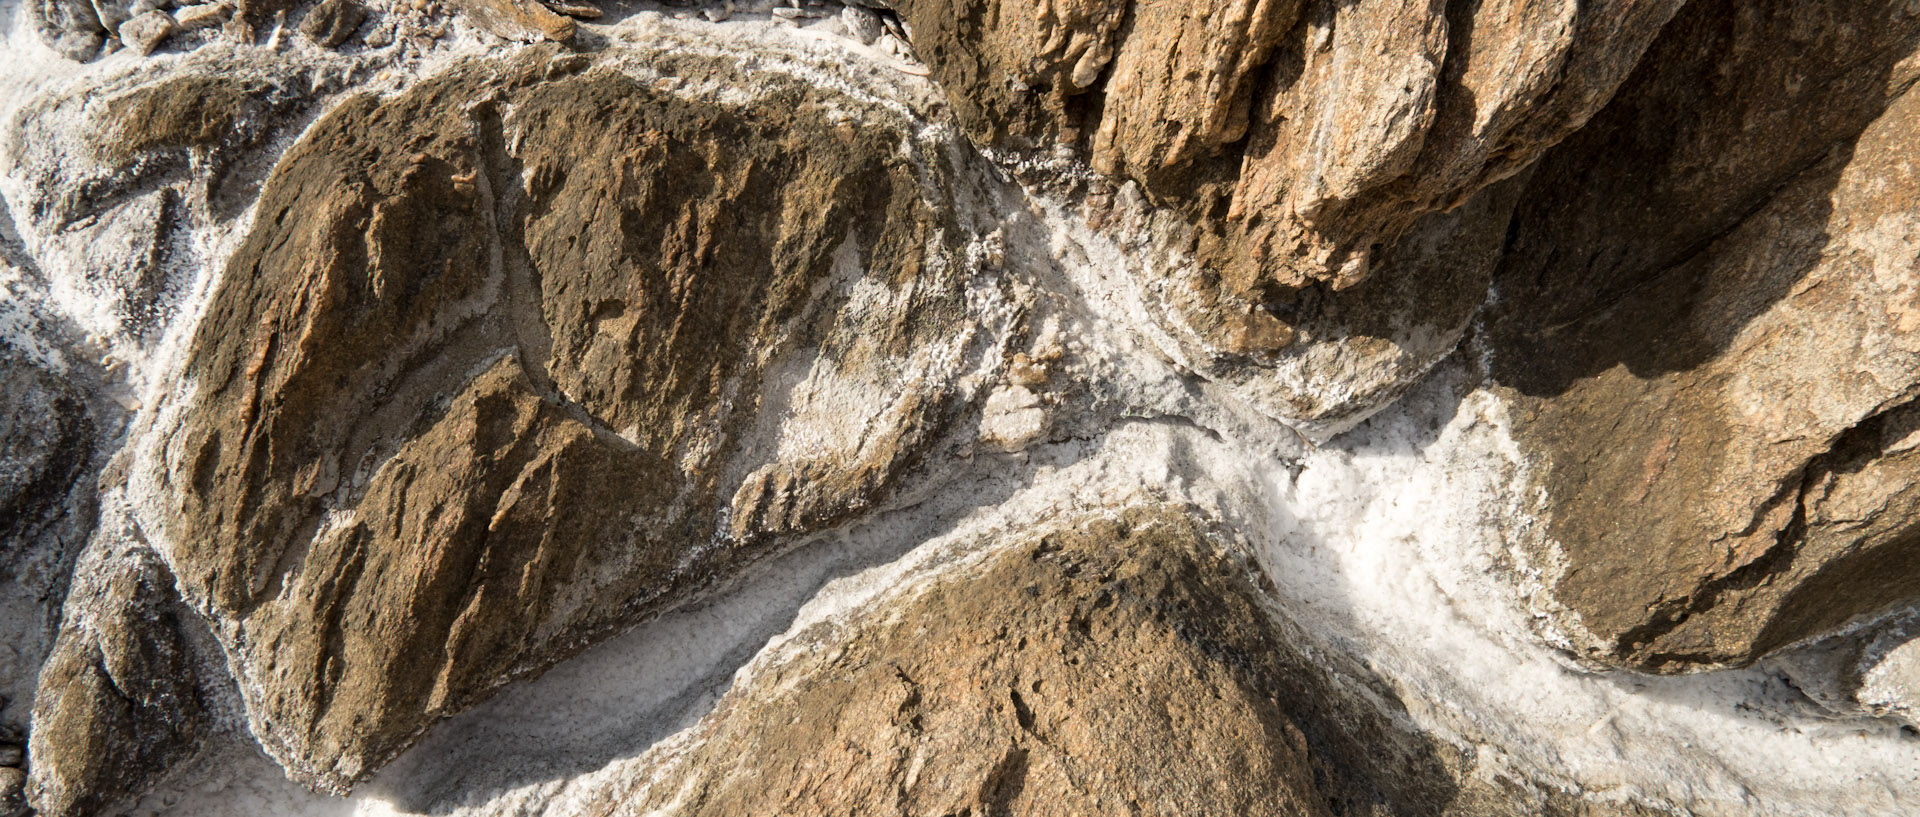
(1102, 664)
(531, 351)
(1705, 327)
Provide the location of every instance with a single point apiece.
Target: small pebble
(205, 15)
(862, 24)
(715, 15)
(12, 754)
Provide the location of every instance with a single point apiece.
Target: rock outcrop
(1705, 324)
(1111, 664)
(532, 351)
(119, 701)
(1048, 373)
(1301, 142)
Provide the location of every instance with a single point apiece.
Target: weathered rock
(115, 13)
(45, 445)
(1301, 142)
(1706, 327)
(145, 32)
(862, 23)
(520, 20)
(1117, 665)
(616, 344)
(46, 515)
(204, 15)
(118, 701)
(13, 792)
(333, 21)
(70, 27)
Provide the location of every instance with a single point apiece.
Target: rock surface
(1301, 142)
(332, 22)
(960, 407)
(1706, 327)
(1112, 665)
(598, 354)
(118, 701)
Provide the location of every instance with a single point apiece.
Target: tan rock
(1301, 143)
(118, 702)
(145, 32)
(520, 20)
(1101, 665)
(1706, 329)
(204, 15)
(479, 389)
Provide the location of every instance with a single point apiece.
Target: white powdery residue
(1401, 532)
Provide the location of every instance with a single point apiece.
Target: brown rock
(1706, 327)
(333, 21)
(520, 20)
(118, 702)
(1301, 142)
(1112, 666)
(204, 15)
(145, 32)
(477, 390)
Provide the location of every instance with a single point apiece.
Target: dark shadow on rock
(1732, 105)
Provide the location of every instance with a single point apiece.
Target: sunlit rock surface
(940, 406)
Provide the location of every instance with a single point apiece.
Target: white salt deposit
(1397, 541)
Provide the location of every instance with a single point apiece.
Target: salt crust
(1397, 542)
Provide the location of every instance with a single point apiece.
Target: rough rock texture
(407, 370)
(332, 22)
(519, 20)
(47, 441)
(1706, 323)
(118, 700)
(1302, 142)
(531, 351)
(1114, 665)
(70, 27)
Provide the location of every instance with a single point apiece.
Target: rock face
(1115, 665)
(1302, 142)
(47, 444)
(532, 351)
(118, 701)
(1706, 325)
(961, 407)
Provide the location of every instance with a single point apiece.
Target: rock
(145, 32)
(862, 23)
(70, 27)
(333, 21)
(1298, 166)
(1706, 332)
(520, 20)
(12, 754)
(582, 11)
(118, 702)
(555, 309)
(47, 509)
(45, 443)
(1101, 665)
(204, 15)
(1012, 418)
(13, 792)
(115, 13)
